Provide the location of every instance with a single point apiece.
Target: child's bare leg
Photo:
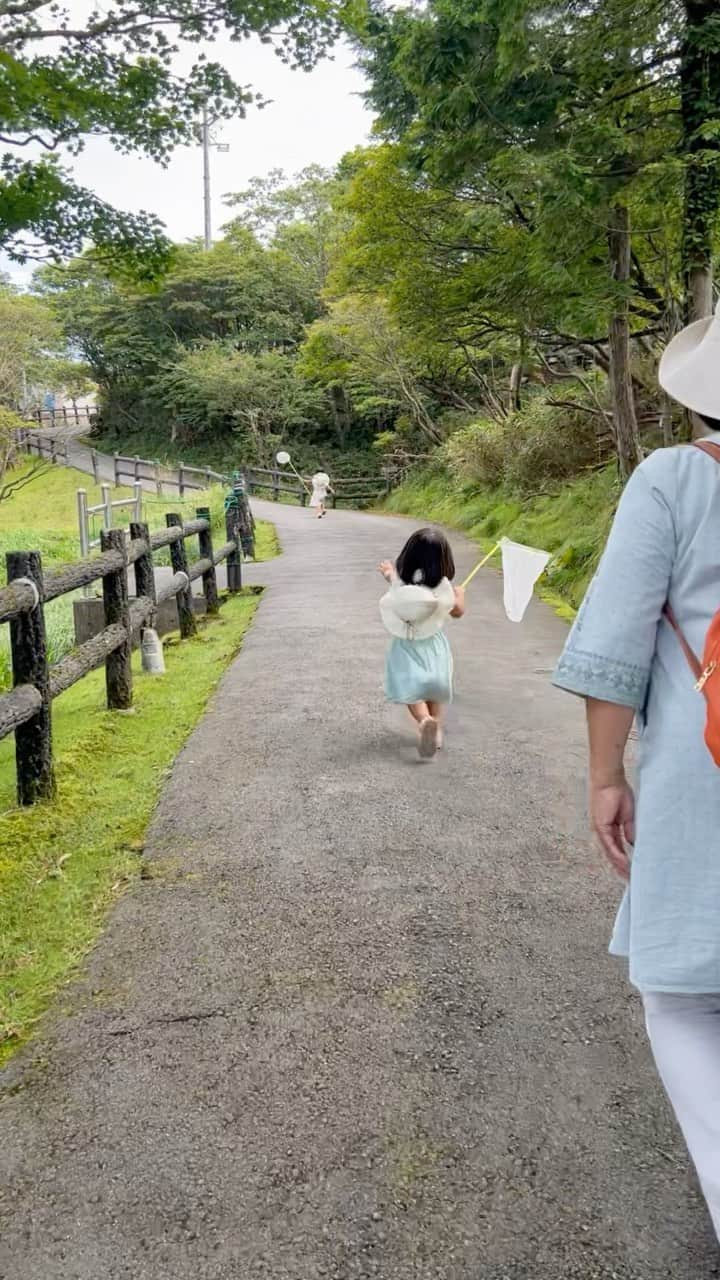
(437, 711)
(428, 728)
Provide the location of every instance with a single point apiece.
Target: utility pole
(206, 176)
(204, 134)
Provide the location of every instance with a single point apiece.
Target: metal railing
(107, 509)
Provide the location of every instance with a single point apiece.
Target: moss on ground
(573, 523)
(63, 863)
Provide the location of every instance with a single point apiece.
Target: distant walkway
(361, 1022)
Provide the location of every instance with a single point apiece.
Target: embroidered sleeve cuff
(593, 676)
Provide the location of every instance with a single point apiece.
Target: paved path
(361, 1022)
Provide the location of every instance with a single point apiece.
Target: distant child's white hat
(690, 367)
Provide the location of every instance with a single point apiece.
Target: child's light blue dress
(418, 664)
(419, 670)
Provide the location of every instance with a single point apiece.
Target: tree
(237, 298)
(565, 121)
(29, 334)
(114, 73)
(10, 424)
(73, 377)
(700, 96)
(300, 219)
(215, 390)
(361, 338)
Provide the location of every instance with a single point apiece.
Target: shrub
(541, 444)
(476, 454)
(546, 444)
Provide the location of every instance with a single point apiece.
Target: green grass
(573, 523)
(63, 863)
(43, 516)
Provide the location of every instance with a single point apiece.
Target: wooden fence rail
(127, 470)
(26, 709)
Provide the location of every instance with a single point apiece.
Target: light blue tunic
(664, 544)
(419, 670)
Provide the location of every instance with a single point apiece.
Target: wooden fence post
(28, 644)
(144, 571)
(158, 481)
(95, 465)
(234, 560)
(116, 464)
(276, 486)
(302, 493)
(206, 553)
(181, 479)
(53, 451)
(178, 558)
(118, 665)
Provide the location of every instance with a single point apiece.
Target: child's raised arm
(459, 609)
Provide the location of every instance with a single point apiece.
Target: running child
(419, 663)
(321, 487)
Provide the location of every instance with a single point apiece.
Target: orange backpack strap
(709, 447)
(692, 660)
(713, 451)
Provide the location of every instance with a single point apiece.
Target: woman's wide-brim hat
(690, 367)
(321, 477)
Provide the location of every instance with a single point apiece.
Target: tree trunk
(627, 436)
(515, 380)
(700, 97)
(666, 420)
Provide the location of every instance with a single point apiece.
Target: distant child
(321, 487)
(419, 664)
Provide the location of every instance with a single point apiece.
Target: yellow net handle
(479, 565)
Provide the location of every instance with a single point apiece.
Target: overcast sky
(314, 117)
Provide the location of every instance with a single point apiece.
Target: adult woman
(624, 657)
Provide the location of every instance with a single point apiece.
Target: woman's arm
(611, 801)
(387, 569)
(459, 609)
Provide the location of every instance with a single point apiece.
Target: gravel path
(360, 1021)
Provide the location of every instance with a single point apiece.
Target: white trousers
(684, 1034)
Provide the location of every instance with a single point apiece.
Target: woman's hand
(387, 569)
(612, 815)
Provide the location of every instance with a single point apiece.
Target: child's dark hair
(426, 558)
(712, 423)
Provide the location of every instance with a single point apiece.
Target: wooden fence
(51, 419)
(349, 489)
(183, 478)
(26, 709)
(279, 484)
(53, 448)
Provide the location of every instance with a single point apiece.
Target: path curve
(362, 1022)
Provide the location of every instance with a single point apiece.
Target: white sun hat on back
(690, 367)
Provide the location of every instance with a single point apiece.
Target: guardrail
(26, 709)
